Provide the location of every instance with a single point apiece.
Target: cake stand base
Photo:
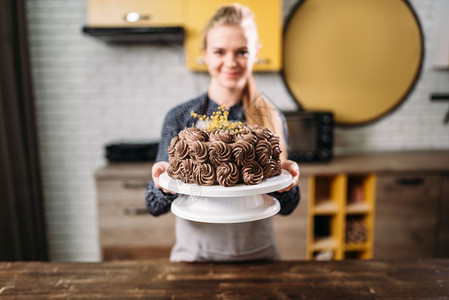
(225, 210)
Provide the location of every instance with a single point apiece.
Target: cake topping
(219, 153)
(246, 135)
(198, 151)
(261, 133)
(263, 152)
(218, 120)
(243, 152)
(181, 150)
(221, 136)
(268, 168)
(195, 134)
(277, 168)
(225, 153)
(227, 174)
(252, 173)
(204, 174)
(186, 169)
(171, 148)
(173, 168)
(275, 147)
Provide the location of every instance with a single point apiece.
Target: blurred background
(89, 92)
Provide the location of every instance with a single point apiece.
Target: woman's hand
(293, 168)
(156, 171)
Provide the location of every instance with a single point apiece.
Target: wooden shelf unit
(341, 216)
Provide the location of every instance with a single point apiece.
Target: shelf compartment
(358, 208)
(325, 243)
(329, 188)
(356, 230)
(360, 189)
(328, 254)
(357, 246)
(325, 235)
(355, 255)
(326, 208)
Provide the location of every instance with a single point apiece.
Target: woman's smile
(230, 74)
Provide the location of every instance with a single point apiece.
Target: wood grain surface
(160, 279)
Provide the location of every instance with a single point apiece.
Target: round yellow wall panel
(356, 58)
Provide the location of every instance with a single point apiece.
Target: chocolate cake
(247, 155)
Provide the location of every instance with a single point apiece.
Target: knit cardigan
(178, 118)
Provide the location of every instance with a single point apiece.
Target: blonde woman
(230, 49)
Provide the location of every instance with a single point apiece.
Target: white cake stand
(219, 204)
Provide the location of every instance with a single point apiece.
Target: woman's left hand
(293, 168)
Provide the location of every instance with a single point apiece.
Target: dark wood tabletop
(160, 279)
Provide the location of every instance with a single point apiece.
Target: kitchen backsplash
(89, 93)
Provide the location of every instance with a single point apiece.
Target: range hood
(137, 34)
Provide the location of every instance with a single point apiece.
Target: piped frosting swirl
(221, 136)
(204, 174)
(186, 169)
(198, 151)
(246, 135)
(173, 169)
(243, 152)
(275, 146)
(263, 152)
(220, 153)
(181, 150)
(252, 173)
(228, 174)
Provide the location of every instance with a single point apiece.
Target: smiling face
(230, 54)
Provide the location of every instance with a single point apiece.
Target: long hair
(258, 111)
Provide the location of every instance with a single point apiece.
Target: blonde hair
(258, 111)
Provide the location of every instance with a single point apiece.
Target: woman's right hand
(156, 171)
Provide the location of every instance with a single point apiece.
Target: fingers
(156, 171)
(287, 188)
(167, 191)
(158, 168)
(293, 168)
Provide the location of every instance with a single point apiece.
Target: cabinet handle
(263, 61)
(133, 17)
(134, 184)
(200, 61)
(410, 181)
(134, 211)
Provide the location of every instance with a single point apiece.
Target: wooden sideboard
(410, 213)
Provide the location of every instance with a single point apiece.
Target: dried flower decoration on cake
(218, 120)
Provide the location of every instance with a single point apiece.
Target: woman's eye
(218, 52)
(243, 53)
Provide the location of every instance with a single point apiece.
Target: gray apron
(197, 241)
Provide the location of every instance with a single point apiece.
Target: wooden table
(160, 279)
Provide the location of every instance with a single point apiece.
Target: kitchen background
(89, 93)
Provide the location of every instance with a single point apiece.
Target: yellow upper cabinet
(268, 15)
(192, 15)
(135, 13)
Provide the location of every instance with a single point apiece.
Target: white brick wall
(89, 93)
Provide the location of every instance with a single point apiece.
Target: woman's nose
(231, 59)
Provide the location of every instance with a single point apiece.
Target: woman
(230, 49)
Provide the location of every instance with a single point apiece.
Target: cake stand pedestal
(219, 204)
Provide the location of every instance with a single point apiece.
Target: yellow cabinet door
(134, 13)
(268, 16)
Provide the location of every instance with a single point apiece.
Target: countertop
(160, 279)
(379, 162)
